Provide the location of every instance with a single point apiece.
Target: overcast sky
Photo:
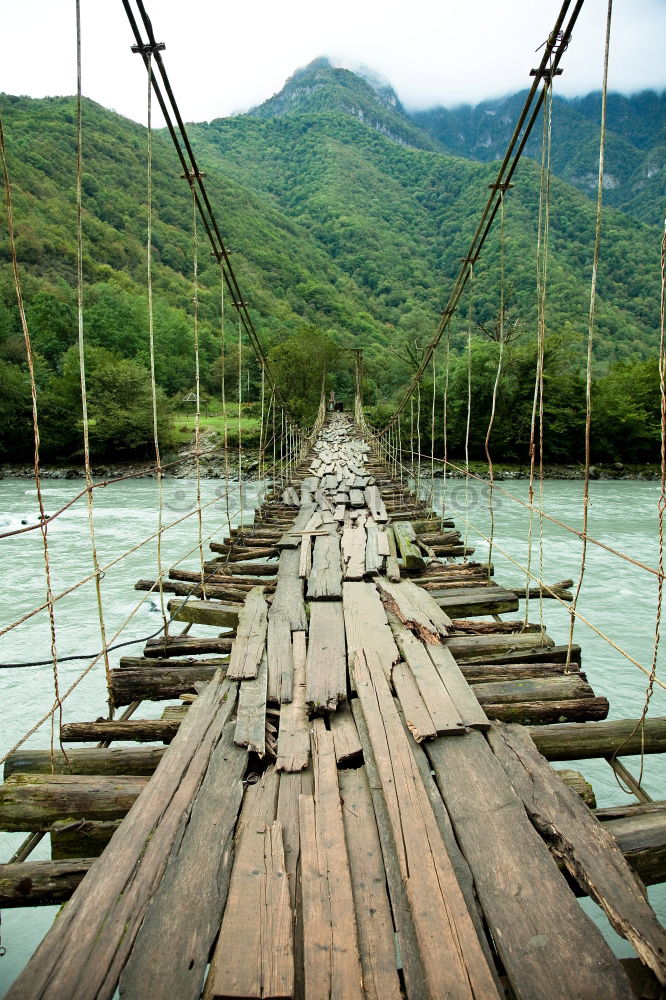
(225, 57)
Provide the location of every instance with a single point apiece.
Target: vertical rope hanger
(223, 379)
(43, 520)
(590, 337)
(432, 430)
(82, 361)
(240, 433)
(469, 401)
(493, 406)
(537, 400)
(151, 344)
(197, 383)
(445, 422)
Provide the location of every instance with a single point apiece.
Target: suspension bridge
(355, 796)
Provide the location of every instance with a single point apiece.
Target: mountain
(635, 160)
(341, 211)
(321, 87)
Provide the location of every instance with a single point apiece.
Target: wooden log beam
(35, 801)
(40, 883)
(204, 613)
(85, 760)
(539, 713)
(136, 730)
(84, 838)
(187, 645)
(597, 739)
(161, 684)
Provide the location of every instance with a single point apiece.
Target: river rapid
(619, 598)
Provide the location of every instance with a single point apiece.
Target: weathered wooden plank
(35, 801)
(85, 760)
(251, 722)
(375, 504)
(85, 950)
(383, 547)
(366, 624)
(417, 717)
(356, 498)
(238, 971)
(345, 966)
(325, 580)
(405, 539)
(444, 714)
(392, 565)
(326, 667)
(371, 904)
(316, 906)
(294, 731)
(288, 599)
(348, 748)
(190, 898)
(554, 688)
(204, 613)
(453, 960)
(40, 883)
(576, 741)
(549, 948)
(464, 698)
(305, 558)
(353, 549)
(406, 941)
(587, 849)
(275, 915)
(280, 659)
(291, 786)
(250, 643)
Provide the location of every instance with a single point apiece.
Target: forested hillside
(347, 220)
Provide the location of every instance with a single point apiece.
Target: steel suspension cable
(82, 360)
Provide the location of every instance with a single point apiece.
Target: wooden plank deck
(292, 831)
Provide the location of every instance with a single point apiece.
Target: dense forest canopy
(347, 219)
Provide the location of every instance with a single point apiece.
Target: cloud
(224, 59)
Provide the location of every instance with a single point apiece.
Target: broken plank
(353, 550)
(251, 722)
(588, 851)
(375, 504)
(405, 539)
(415, 609)
(326, 667)
(293, 733)
(463, 697)
(280, 659)
(348, 750)
(325, 580)
(417, 717)
(442, 710)
(250, 643)
(291, 538)
(366, 624)
(288, 598)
